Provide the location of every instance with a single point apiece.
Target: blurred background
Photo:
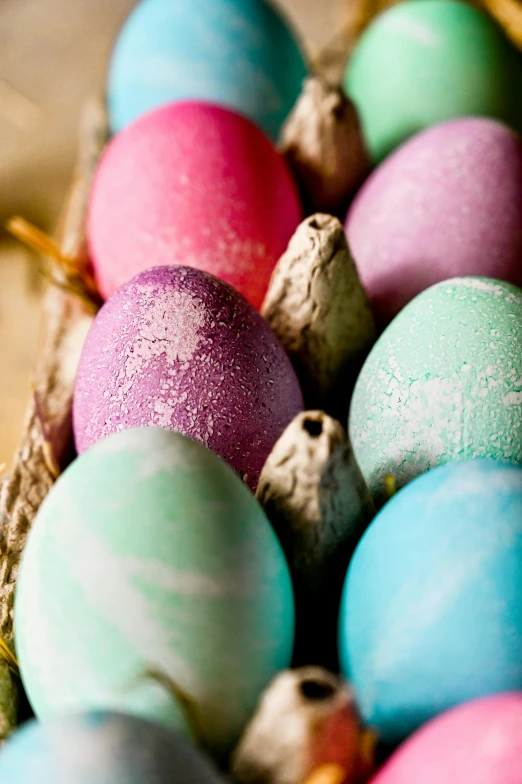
(53, 54)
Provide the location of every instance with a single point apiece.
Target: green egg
(425, 61)
(151, 565)
(443, 383)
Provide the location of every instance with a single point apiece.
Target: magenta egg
(180, 349)
(477, 743)
(194, 184)
(447, 203)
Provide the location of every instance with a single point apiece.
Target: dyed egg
(193, 184)
(150, 571)
(418, 64)
(477, 743)
(239, 53)
(431, 614)
(443, 383)
(101, 748)
(179, 349)
(447, 203)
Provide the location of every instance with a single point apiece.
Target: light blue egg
(101, 748)
(431, 615)
(238, 53)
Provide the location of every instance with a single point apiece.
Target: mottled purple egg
(447, 203)
(178, 348)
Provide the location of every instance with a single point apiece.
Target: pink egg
(445, 204)
(193, 184)
(477, 743)
(178, 348)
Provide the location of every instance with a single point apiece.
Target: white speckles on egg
(179, 349)
(232, 218)
(169, 324)
(414, 408)
(432, 211)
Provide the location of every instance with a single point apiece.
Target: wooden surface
(53, 54)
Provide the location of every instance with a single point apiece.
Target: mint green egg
(150, 555)
(442, 384)
(425, 61)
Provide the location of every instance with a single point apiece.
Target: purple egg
(178, 348)
(447, 203)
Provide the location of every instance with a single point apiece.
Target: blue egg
(101, 748)
(238, 53)
(431, 615)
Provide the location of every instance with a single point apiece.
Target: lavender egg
(447, 203)
(177, 348)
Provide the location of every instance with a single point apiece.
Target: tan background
(53, 54)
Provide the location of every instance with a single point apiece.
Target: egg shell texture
(442, 383)
(239, 53)
(180, 349)
(431, 614)
(101, 748)
(191, 183)
(149, 554)
(418, 64)
(447, 203)
(477, 743)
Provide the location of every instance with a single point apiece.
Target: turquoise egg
(150, 571)
(431, 614)
(101, 748)
(443, 383)
(238, 53)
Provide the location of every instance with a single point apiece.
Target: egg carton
(315, 451)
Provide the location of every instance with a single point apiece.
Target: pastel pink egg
(180, 349)
(195, 184)
(447, 203)
(477, 743)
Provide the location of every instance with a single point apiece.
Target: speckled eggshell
(442, 383)
(150, 555)
(195, 184)
(422, 63)
(180, 349)
(101, 748)
(239, 53)
(447, 203)
(431, 614)
(477, 743)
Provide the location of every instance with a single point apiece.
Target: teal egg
(443, 383)
(149, 555)
(431, 614)
(425, 61)
(238, 53)
(101, 748)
